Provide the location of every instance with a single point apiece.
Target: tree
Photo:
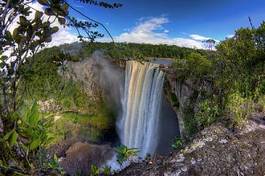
(33, 32)
(210, 43)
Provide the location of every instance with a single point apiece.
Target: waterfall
(141, 106)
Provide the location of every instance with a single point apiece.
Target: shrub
(239, 108)
(208, 113)
(124, 153)
(177, 143)
(193, 65)
(190, 122)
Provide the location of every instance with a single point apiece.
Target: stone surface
(238, 153)
(187, 93)
(100, 78)
(80, 156)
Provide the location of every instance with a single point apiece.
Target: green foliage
(125, 51)
(87, 127)
(94, 171)
(235, 76)
(30, 135)
(106, 171)
(190, 123)
(46, 163)
(194, 65)
(31, 127)
(124, 153)
(174, 100)
(240, 72)
(41, 81)
(208, 113)
(10, 137)
(34, 129)
(239, 108)
(54, 165)
(177, 144)
(243, 60)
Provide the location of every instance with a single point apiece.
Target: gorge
(144, 118)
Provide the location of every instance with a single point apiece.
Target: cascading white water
(141, 106)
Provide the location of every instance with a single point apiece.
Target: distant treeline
(131, 50)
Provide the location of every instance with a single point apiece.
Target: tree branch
(97, 22)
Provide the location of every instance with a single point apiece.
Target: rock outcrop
(184, 96)
(82, 72)
(99, 76)
(81, 156)
(215, 151)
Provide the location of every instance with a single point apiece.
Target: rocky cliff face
(82, 72)
(184, 96)
(99, 76)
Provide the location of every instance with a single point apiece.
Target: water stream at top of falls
(141, 104)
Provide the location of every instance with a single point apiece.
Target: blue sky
(180, 22)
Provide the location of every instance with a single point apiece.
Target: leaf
(61, 21)
(33, 115)
(38, 15)
(23, 20)
(48, 39)
(35, 144)
(43, 2)
(8, 35)
(6, 137)
(15, 32)
(13, 138)
(54, 29)
(16, 35)
(49, 12)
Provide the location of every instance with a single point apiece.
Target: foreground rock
(216, 151)
(81, 156)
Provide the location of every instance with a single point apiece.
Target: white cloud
(145, 32)
(198, 37)
(230, 36)
(152, 31)
(63, 36)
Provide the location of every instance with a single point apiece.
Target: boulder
(81, 156)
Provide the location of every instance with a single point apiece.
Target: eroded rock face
(215, 151)
(99, 76)
(82, 72)
(187, 95)
(80, 156)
